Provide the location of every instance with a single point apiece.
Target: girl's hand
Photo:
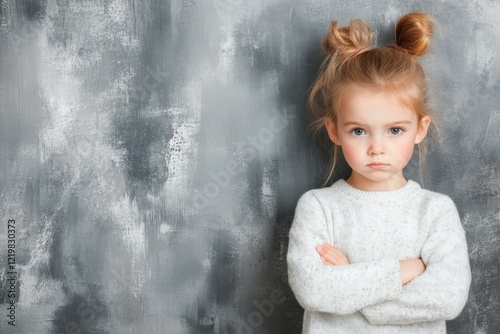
(410, 269)
(331, 255)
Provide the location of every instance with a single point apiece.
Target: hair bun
(350, 40)
(413, 33)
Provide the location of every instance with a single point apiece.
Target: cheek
(351, 153)
(406, 151)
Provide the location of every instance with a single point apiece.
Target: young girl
(376, 253)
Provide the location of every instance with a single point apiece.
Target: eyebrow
(362, 124)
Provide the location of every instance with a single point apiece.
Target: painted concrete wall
(152, 153)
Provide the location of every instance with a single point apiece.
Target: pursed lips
(377, 165)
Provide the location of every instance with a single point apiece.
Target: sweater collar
(378, 197)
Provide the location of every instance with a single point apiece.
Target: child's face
(376, 128)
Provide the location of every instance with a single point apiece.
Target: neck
(359, 182)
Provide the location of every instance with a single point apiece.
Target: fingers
(331, 255)
(328, 256)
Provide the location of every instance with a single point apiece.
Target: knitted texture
(376, 229)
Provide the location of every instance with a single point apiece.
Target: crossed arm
(387, 291)
(332, 256)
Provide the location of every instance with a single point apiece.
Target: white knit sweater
(376, 229)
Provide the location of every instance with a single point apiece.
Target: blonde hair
(352, 62)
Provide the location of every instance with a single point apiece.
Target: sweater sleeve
(441, 291)
(339, 289)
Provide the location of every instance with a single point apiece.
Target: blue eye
(396, 131)
(357, 131)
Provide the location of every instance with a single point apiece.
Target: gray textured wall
(152, 153)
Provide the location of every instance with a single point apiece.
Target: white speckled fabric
(376, 229)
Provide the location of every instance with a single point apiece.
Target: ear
(423, 126)
(332, 131)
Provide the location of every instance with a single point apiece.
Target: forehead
(373, 108)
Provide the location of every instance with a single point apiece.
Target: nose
(376, 146)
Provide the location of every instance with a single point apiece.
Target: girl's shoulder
(437, 201)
